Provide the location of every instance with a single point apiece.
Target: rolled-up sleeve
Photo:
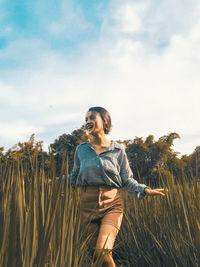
(128, 182)
(73, 176)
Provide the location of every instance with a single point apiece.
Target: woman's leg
(93, 231)
(106, 232)
(111, 207)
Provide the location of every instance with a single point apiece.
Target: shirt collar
(113, 145)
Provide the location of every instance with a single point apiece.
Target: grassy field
(39, 221)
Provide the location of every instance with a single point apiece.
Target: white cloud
(151, 22)
(19, 130)
(147, 91)
(127, 19)
(6, 92)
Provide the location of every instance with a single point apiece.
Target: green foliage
(149, 158)
(65, 146)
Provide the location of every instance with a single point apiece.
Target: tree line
(152, 161)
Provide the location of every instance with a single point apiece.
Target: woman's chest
(99, 149)
(99, 160)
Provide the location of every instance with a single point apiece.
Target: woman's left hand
(153, 192)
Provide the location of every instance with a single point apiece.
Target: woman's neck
(99, 140)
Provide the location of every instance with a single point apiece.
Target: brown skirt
(102, 205)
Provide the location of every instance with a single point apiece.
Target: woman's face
(94, 123)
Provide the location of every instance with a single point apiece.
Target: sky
(138, 59)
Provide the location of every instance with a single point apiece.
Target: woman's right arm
(73, 176)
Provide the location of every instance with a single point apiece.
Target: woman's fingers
(161, 190)
(156, 192)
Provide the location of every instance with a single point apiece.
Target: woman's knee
(106, 237)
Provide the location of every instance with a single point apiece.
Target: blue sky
(60, 23)
(138, 59)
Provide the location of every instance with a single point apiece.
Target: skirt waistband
(85, 187)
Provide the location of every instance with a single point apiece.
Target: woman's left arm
(131, 185)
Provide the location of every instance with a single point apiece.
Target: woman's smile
(90, 126)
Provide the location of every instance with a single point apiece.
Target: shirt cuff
(141, 193)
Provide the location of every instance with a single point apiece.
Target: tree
(64, 147)
(149, 158)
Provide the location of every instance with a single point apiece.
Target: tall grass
(39, 219)
(162, 231)
(40, 225)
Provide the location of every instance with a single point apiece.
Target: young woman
(101, 168)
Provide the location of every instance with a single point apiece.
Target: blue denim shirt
(110, 167)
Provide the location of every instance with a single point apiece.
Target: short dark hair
(105, 117)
